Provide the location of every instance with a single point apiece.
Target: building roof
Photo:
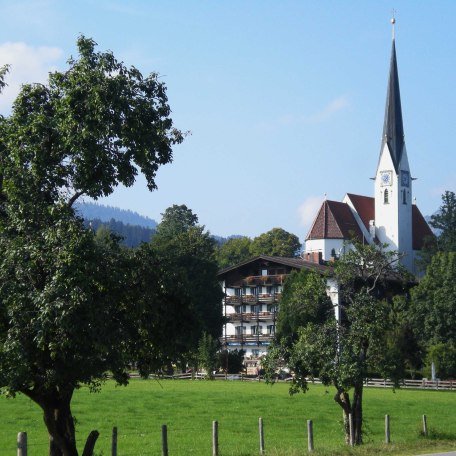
(335, 220)
(364, 206)
(393, 129)
(297, 263)
(421, 229)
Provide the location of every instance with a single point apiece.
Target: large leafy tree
(66, 318)
(342, 352)
(444, 224)
(234, 251)
(434, 301)
(276, 242)
(185, 252)
(304, 300)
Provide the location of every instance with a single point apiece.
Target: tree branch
(74, 198)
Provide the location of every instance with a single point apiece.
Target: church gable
(334, 221)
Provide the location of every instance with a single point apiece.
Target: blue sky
(284, 99)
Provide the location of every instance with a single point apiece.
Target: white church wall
(325, 246)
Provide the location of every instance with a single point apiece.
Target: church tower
(393, 184)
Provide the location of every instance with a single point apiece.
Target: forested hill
(132, 235)
(92, 211)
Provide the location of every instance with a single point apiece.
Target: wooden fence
(22, 444)
(370, 382)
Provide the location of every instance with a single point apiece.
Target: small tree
(342, 352)
(207, 354)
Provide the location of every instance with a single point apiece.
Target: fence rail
(370, 382)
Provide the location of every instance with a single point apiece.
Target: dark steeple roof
(393, 129)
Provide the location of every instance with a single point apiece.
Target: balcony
(264, 280)
(266, 298)
(251, 316)
(248, 339)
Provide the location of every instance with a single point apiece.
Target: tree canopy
(234, 251)
(276, 242)
(66, 318)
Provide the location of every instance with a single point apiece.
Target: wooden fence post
(352, 430)
(425, 428)
(260, 428)
(310, 436)
(164, 440)
(214, 438)
(387, 429)
(22, 444)
(114, 441)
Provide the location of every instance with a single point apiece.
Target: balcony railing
(248, 338)
(249, 316)
(264, 280)
(266, 298)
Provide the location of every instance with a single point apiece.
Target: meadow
(189, 407)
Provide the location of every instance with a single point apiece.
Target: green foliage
(304, 300)
(341, 353)
(231, 361)
(207, 354)
(445, 222)
(69, 306)
(443, 355)
(234, 251)
(433, 306)
(176, 220)
(276, 242)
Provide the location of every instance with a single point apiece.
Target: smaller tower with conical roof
(393, 184)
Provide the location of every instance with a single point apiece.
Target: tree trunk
(58, 419)
(357, 413)
(343, 399)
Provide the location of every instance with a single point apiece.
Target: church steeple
(393, 129)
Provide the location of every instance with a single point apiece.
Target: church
(389, 217)
(253, 288)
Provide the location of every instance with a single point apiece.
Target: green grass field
(189, 407)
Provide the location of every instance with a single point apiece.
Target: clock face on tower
(405, 178)
(385, 178)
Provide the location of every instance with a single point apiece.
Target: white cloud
(308, 210)
(334, 106)
(27, 64)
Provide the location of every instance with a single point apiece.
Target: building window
(237, 292)
(386, 197)
(271, 329)
(256, 330)
(253, 291)
(264, 272)
(404, 197)
(240, 309)
(240, 330)
(272, 308)
(255, 352)
(254, 309)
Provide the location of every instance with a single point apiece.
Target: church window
(386, 197)
(404, 197)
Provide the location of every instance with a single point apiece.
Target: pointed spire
(393, 129)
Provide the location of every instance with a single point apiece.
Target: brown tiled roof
(335, 220)
(297, 263)
(421, 229)
(364, 206)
